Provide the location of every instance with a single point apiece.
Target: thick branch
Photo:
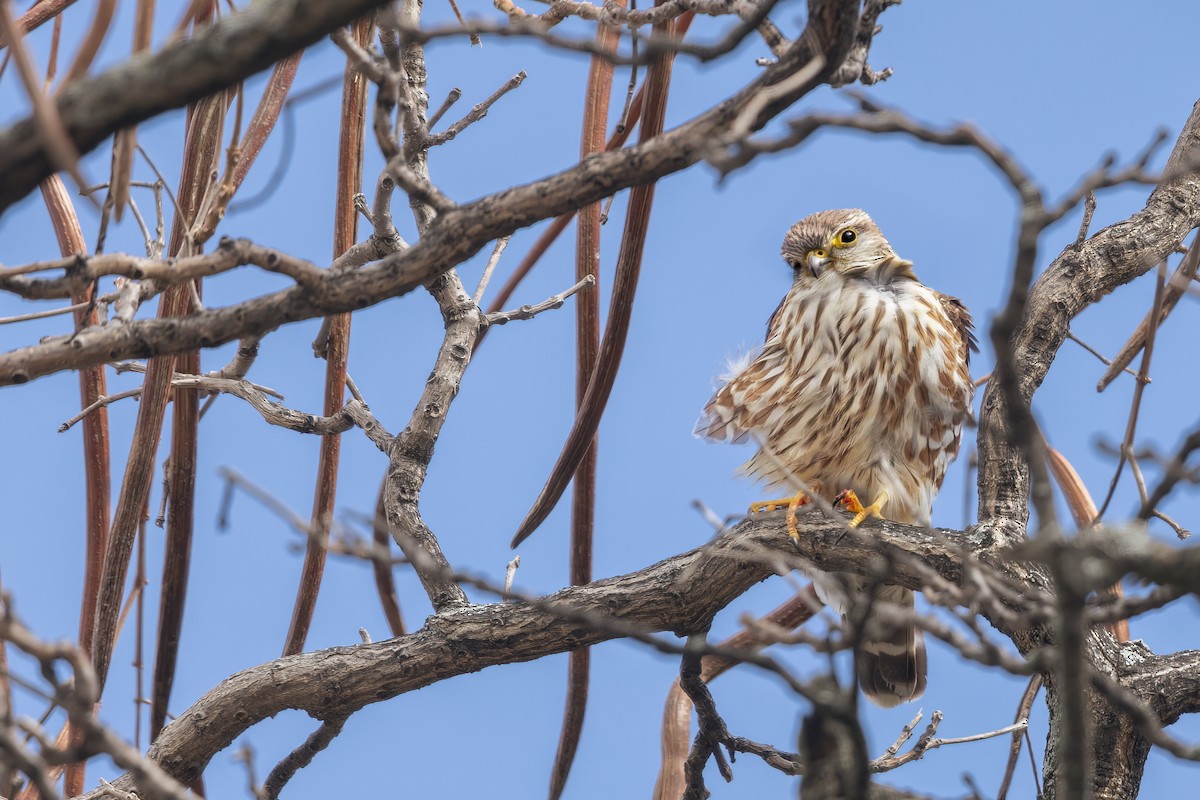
(679, 594)
(411, 451)
(1080, 276)
(81, 271)
(144, 86)
(1170, 683)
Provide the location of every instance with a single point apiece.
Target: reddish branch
(337, 348)
(587, 345)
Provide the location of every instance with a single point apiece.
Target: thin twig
(529, 312)
(489, 268)
(476, 113)
(1099, 355)
(1183, 275)
(1023, 710)
(452, 97)
(417, 187)
(44, 314)
(303, 755)
(927, 743)
(510, 572)
(905, 734)
(1139, 387)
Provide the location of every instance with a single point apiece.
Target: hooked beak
(817, 264)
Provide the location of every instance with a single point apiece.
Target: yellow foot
(769, 505)
(849, 500)
(792, 504)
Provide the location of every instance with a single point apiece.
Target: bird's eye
(848, 236)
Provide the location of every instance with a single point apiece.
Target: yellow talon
(769, 505)
(799, 500)
(849, 501)
(791, 503)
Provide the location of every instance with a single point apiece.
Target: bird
(860, 389)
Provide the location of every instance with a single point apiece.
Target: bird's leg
(791, 503)
(774, 505)
(799, 500)
(848, 500)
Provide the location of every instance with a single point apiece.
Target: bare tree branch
(680, 593)
(94, 108)
(1074, 280)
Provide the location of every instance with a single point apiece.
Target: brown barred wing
(728, 416)
(960, 318)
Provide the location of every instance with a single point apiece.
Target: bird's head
(845, 241)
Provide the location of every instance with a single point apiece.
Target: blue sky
(1059, 84)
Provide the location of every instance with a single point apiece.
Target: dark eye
(848, 237)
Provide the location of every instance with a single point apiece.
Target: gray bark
(681, 595)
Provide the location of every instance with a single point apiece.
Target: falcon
(860, 390)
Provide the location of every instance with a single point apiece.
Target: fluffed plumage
(862, 384)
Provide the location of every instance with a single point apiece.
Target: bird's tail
(892, 671)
